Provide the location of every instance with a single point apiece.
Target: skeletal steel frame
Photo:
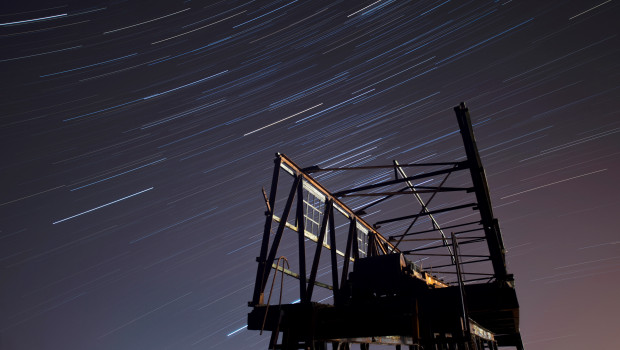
(316, 208)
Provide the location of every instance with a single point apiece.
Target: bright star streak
(141, 23)
(281, 120)
(32, 20)
(235, 331)
(358, 11)
(553, 183)
(586, 11)
(101, 206)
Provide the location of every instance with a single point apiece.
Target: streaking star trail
(136, 137)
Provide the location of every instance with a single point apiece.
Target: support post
(491, 226)
(319, 247)
(461, 288)
(278, 236)
(258, 284)
(347, 254)
(332, 244)
(301, 233)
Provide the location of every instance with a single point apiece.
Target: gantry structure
(436, 278)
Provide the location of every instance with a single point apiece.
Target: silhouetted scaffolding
(420, 287)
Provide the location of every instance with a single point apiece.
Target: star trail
(136, 137)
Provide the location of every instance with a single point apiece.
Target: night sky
(136, 137)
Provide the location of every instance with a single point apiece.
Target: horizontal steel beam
(316, 168)
(457, 167)
(456, 207)
(393, 238)
(296, 275)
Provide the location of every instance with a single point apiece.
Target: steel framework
(378, 295)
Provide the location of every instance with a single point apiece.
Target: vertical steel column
(459, 276)
(332, 243)
(355, 247)
(261, 259)
(519, 342)
(319, 247)
(278, 235)
(371, 250)
(491, 226)
(347, 254)
(301, 233)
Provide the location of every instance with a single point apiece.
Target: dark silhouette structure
(423, 286)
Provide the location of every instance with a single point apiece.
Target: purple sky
(136, 136)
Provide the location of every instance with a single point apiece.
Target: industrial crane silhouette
(463, 298)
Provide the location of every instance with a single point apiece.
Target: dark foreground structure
(424, 286)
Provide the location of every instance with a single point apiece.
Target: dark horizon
(137, 137)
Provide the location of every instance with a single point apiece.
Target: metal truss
(367, 302)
